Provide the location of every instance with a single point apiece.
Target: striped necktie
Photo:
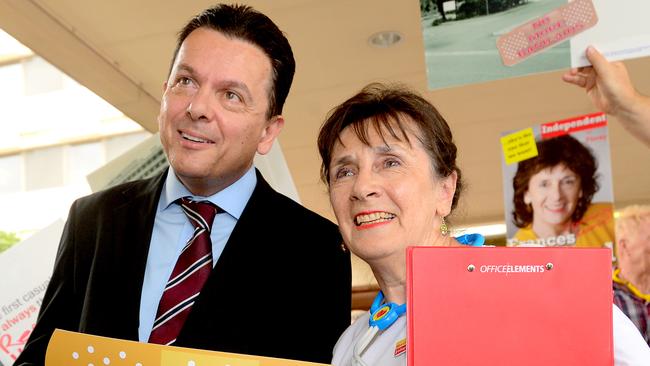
(190, 273)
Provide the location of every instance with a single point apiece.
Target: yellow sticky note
(519, 146)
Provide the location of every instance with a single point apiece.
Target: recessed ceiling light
(385, 39)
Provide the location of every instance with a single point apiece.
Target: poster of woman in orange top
(559, 193)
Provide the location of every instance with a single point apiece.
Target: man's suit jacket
(281, 287)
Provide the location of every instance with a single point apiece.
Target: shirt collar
(231, 199)
(630, 286)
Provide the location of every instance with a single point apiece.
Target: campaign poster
(558, 184)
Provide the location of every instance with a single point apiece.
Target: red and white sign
(26, 269)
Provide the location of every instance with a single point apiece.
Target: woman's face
(553, 194)
(385, 196)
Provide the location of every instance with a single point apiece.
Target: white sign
(622, 32)
(26, 269)
(449, 6)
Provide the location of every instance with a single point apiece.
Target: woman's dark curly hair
(564, 150)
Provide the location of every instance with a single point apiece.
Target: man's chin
(190, 171)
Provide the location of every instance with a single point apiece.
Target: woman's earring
(444, 230)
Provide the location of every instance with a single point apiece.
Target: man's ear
(446, 193)
(269, 134)
(162, 105)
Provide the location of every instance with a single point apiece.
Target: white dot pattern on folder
(122, 355)
(110, 352)
(106, 360)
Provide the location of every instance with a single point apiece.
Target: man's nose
(200, 107)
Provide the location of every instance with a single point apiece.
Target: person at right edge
(277, 284)
(632, 275)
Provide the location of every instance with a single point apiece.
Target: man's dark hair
(247, 24)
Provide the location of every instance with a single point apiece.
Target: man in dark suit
(272, 292)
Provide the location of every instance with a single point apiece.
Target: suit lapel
(248, 225)
(132, 230)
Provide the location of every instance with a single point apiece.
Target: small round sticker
(381, 313)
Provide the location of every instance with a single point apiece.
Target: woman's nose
(365, 186)
(556, 192)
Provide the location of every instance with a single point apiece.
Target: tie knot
(200, 213)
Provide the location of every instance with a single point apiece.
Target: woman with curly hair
(552, 198)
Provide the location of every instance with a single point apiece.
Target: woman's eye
(570, 181)
(390, 163)
(345, 172)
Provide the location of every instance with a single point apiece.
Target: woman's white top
(381, 351)
(629, 346)
(388, 347)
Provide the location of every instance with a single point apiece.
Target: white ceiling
(121, 50)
